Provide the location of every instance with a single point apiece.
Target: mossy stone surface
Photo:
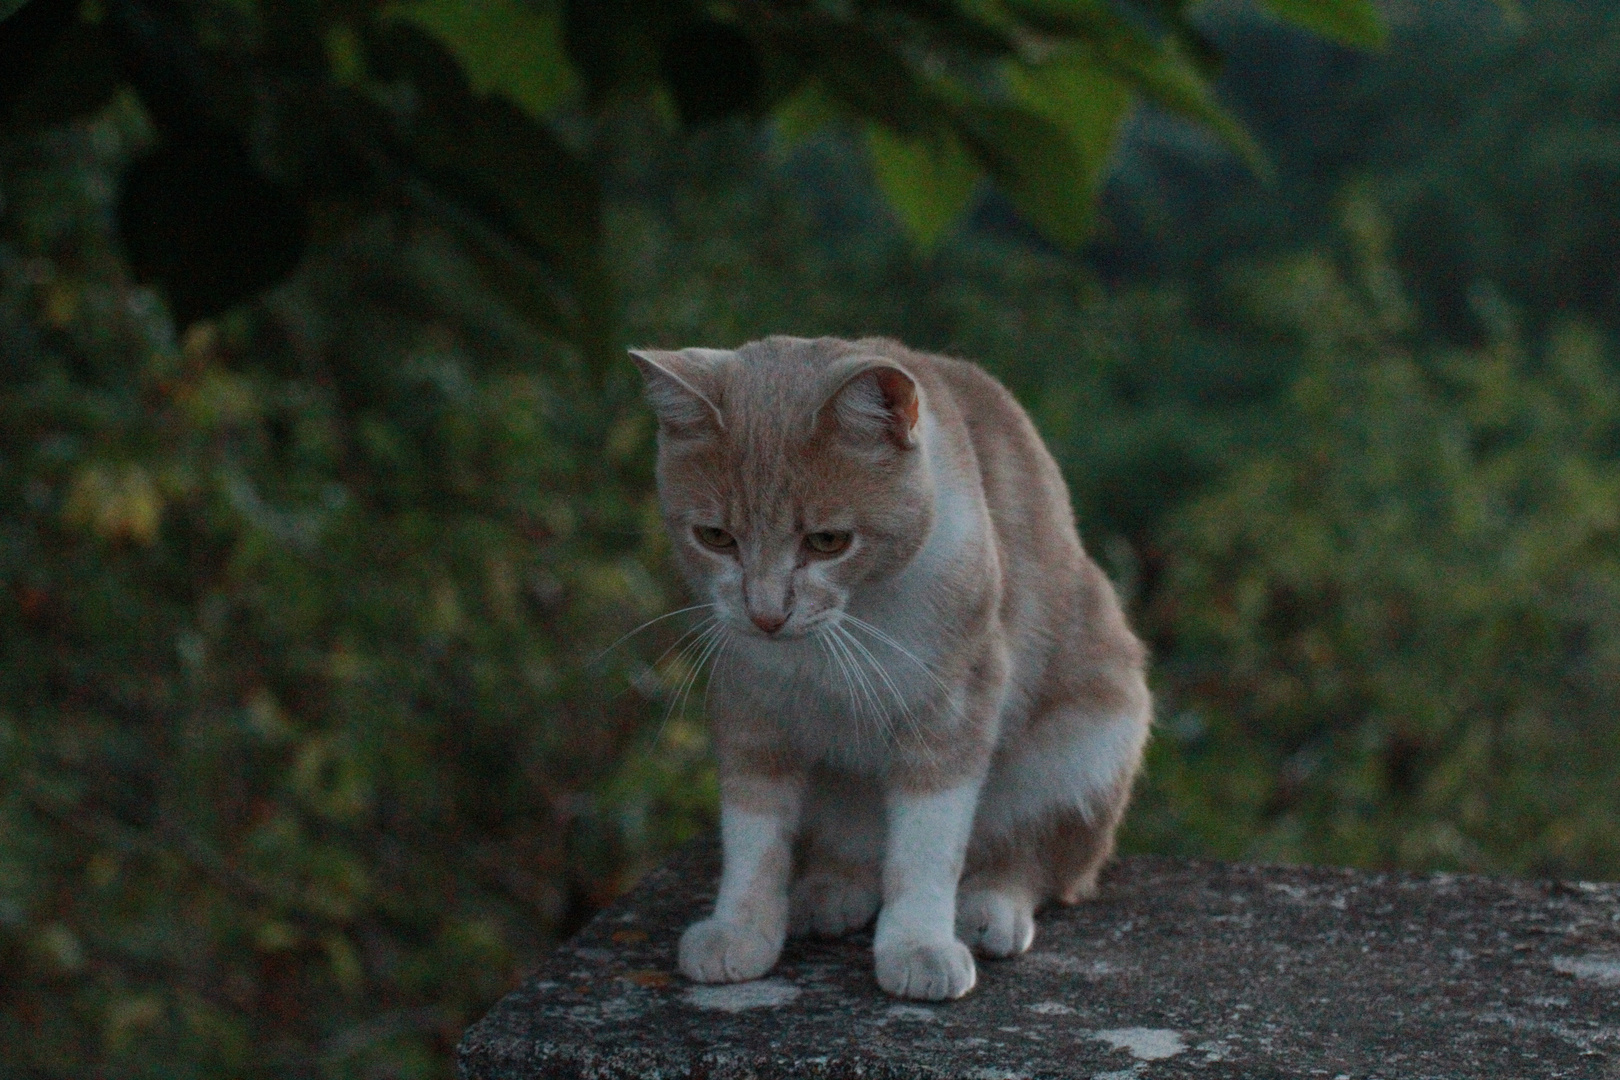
(1178, 969)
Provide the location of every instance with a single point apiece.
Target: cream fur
(938, 723)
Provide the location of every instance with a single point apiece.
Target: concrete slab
(1179, 969)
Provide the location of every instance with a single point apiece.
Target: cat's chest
(837, 695)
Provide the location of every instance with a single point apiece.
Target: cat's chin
(784, 636)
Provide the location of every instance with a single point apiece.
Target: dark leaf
(947, 23)
(614, 43)
(1352, 22)
(488, 150)
(199, 220)
(858, 67)
(713, 70)
(54, 66)
(531, 198)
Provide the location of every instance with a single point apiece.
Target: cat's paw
(829, 905)
(713, 951)
(927, 971)
(995, 923)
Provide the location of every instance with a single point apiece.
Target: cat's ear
(681, 387)
(877, 401)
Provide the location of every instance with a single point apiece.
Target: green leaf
(1352, 22)
(1171, 82)
(928, 181)
(803, 114)
(1088, 33)
(505, 47)
(1088, 103)
(1038, 165)
(1512, 12)
(9, 8)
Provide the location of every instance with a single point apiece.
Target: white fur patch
(928, 837)
(747, 839)
(1078, 775)
(960, 516)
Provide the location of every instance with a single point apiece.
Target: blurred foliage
(275, 117)
(326, 503)
(305, 749)
(1389, 636)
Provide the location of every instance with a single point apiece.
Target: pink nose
(769, 623)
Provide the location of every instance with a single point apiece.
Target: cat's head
(790, 472)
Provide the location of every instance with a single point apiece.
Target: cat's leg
(1047, 818)
(1056, 857)
(1081, 845)
(743, 938)
(830, 899)
(995, 906)
(1102, 759)
(916, 949)
(840, 857)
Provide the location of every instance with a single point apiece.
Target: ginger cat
(926, 703)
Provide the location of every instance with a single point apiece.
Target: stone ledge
(1179, 969)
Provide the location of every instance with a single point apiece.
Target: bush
(306, 747)
(1387, 635)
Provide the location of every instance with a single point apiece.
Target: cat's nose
(768, 623)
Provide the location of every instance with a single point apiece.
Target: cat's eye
(711, 537)
(827, 542)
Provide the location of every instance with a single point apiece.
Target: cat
(926, 703)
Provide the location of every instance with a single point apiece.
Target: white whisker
(650, 622)
(841, 636)
(714, 669)
(882, 673)
(914, 724)
(716, 643)
(885, 638)
(701, 629)
(843, 670)
(702, 646)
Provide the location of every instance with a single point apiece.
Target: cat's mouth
(784, 632)
(792, 628)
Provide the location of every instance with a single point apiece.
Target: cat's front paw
(713, 951)
(829, 905)
(995, 923)
(927, 971)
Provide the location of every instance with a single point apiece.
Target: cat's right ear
(876, 401)
(681, 388)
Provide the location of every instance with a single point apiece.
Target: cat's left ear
(878, 400)
(682, 387)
